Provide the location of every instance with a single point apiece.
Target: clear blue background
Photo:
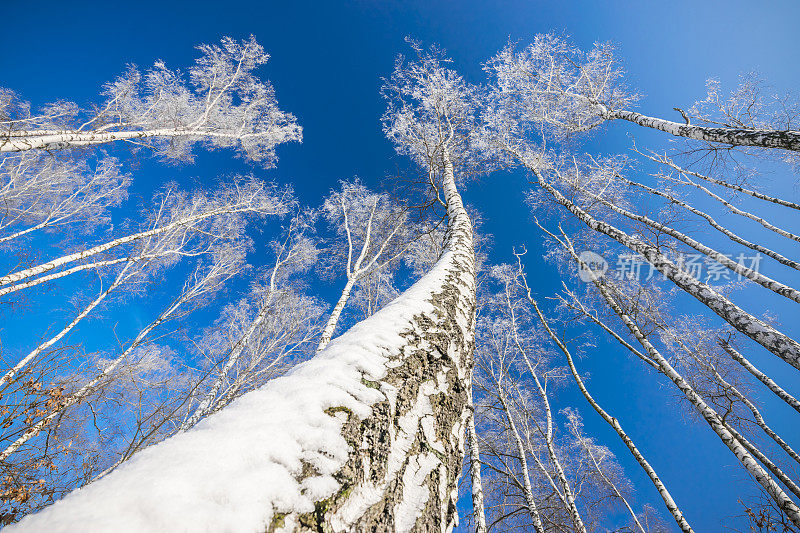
(327, 61)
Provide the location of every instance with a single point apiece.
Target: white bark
(243, 206)
(387, 392)
(669, 502)
(330, 326)
(123, 276)
(773, 340)
(87, 266)
(719, 227)
(527, 489)
(366, 263)
(785, 140)
(588, 449)
(780, 231)
(732, 440)
(222, 103)
(32, 140)
(204, 285)
(207, 404)
(753, 275)
(759, 419)
(755, 194)
(762, 377)
(567, 495)
(478, 508)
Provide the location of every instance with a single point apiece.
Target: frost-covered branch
(669, 502)
(223, 104)
(283, 324)
(200, 285)
(553, 83)
(377, 230)
(180, 216)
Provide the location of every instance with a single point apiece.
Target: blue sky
(327, 62)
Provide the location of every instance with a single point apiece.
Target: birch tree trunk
(741, 448)
(786, 140)
(751, 274)
(761, 376)
(478, 508)
(664, 160)
(669, 502)
(330, 326)
(523, 461)
(207, 404)
(100, 248)
(120, 279)
(61, 140)
(717, 226)
(366, 436)
(773, 340)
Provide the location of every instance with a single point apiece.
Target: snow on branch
(223, 104)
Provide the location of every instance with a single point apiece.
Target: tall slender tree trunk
(478, 508)
(375, 443)
(741, 212)
(567, 496)
(719, 227)
(330, 326)
(761, 376)
(751, 274)
(530, 502)
(786, 140)
(73, 139)
(120, 279)
(663, 159)
(669, 502)
(732, 440)
(78, 256)
(773, 340)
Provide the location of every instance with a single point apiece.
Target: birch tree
(60, 196)
(40, 192)
(593, 193)
(539, 477)
(550, 90)
(259, 335)
(223, 104)
(29, 436)
(376, 229)
(368, 434)
(397, 381)
(763, 470)
(181, 226)
(575, 303)
(573, 91)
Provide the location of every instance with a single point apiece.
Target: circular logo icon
(592, 266)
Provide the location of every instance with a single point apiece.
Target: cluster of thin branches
(604, 206)
(73, 413)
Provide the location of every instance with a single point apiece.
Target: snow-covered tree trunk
(366, 436)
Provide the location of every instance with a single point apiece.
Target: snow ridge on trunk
(366, 436)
